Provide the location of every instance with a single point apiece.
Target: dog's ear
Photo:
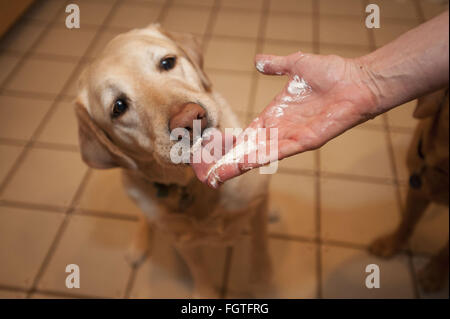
(192, 49)
(97, 150)
(429, 104)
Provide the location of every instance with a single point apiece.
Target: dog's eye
(167, 63)
(120, 107)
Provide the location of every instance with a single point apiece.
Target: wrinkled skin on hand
(334, 98)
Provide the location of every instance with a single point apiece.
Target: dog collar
(162, 190)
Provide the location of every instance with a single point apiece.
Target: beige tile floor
(326, 205)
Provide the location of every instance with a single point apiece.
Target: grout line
(240, 38)
(53, 57)
(62, 209)
(404, 21)
(317, 157)
(358, 178)
(394, 169)
(298, 43)
(28, 94)
(164, 11)
(295, 171)
(190, 6)
(104, 214)
(48, 292)
(228, 71)
(207, 35)
(12, 288)
(33, 206)
(65, 294)
(85, 26)
(296, 238)
(258, 48)
(223, 7)
(41, 145)
(316, 27)
(12, 142)
(56, 146)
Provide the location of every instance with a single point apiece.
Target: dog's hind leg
(389, 245)
(432, 276)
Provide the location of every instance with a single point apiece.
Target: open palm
(323, 97)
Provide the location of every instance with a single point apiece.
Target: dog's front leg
(140, 244)
(203, 286)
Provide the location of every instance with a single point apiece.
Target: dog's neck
(183, 194)
(153, 172)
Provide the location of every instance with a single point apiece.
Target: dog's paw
(386, 246)
(432, 276)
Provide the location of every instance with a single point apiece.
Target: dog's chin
(172, 173)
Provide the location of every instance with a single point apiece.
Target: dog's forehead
(137, 42)
(127, 50)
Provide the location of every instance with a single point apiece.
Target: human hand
(324, 97)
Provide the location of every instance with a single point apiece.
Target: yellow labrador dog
(145, 83)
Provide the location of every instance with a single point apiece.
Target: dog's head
(144, 84)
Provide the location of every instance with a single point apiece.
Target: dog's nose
(186, 116)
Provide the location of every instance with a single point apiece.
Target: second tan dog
(428, 164)
(146, 83)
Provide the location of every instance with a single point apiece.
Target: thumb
(272, 64)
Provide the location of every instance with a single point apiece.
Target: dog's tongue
(206, 162)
